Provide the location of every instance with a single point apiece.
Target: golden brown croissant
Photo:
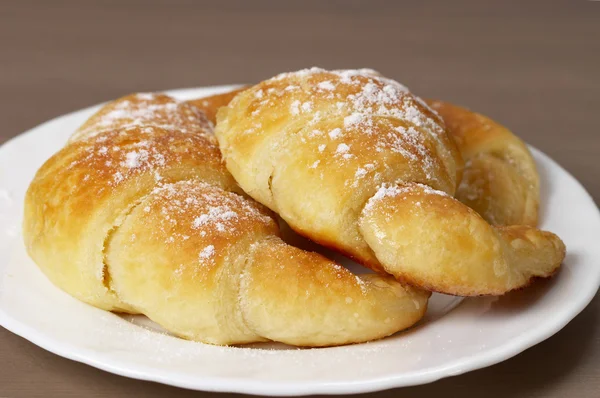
(354, 161)
(500, 180)
(138, 213)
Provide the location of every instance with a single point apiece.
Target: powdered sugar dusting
(387, 190)
(368, 103)
(146, 109)
(210, 212)
(295, 108)
(301, 73)
(353, 119)
(342, 148)
(135, 158)
(360, 173)
(207, 252)
(377, 96)
(216, 215)
(117, 156)
(326, 85)
(145, 96)
(118, 177)
(335, 133)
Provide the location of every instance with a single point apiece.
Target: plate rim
(239, 385)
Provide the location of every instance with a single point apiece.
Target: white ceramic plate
(455, 337)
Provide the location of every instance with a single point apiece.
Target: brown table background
(534, 66)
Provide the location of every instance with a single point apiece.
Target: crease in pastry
(106, 275)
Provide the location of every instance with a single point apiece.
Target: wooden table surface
(534, 66)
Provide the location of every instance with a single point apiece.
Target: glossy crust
(143, 217)
(500, 180)
(316, 146)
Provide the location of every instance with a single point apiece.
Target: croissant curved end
(500, 179)
(433, 241)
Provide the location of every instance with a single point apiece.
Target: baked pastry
(211, 104)
(137, 213)
(355, 162)
(500, 179)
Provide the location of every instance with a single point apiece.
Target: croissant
(138, 214)
(500, 180)
(355, 162)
